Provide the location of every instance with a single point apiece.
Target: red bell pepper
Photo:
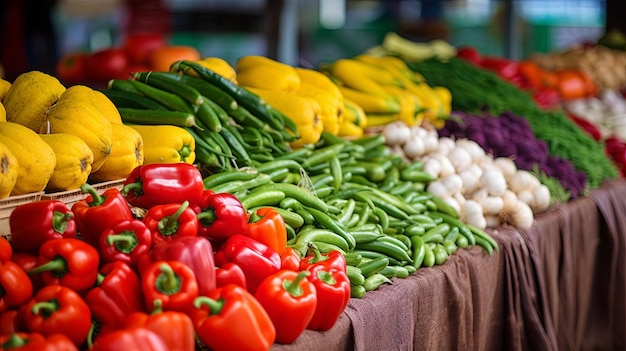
(58, 309)
(221, 215)
(170, 221)
(194, 251)
(290, 259)
(268, 226)
(216, 314)
(132, 338)
(68, 262)
(117, 294)
(27, 262)
(6, 250)
(33, 223)
(256, 259)
(174, 327)
(15, 286)
(332, 288)
(159, 184)
(125, 241)
(290, 300)
(172, 283)
(97, 213)
(332, 259)
(36, 342)
(230, 273)
(10, 322)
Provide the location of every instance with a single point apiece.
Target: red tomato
(72, 68)
(107, 64)
(139, 45)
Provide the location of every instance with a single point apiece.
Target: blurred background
(299, 32)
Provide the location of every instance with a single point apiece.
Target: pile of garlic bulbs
(485, 191)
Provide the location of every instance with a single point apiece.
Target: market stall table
(559, 286)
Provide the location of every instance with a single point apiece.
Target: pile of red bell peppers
(162, 264)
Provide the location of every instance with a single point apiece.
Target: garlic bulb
(460, 159)
(432, 167)
(437, 188)
(542, 198)
(494, 182)
(453, 182)
(414, 148)
(506, 165)
(470, 181)
(396, 133)
(523, 180)
(492, 205)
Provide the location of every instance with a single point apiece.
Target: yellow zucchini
(166, 144)
(127, 153)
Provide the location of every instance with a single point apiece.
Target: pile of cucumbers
(232, 127)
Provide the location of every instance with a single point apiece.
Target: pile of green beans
(359, 198)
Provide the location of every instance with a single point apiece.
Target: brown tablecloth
(559, 286)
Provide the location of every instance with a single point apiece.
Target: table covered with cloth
(559, 286)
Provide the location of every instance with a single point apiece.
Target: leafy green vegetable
(476, 90)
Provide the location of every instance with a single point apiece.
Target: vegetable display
(256, 200)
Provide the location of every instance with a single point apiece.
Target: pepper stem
(317, 254)
(207, 216)
(45, 308)
(158, 306)
(293, 286)
(167, 282)
(169, 224)
(125, 242)
(254, 217)
(96, 199)
(135, 187)
(185, 152)
(100, 279)
(326, 277)
(14, 342)
(215, 306)
(59, 221)
(56, 265)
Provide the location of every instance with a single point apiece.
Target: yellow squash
(320, 80)
(354, 113)
(30, 95)
(350, 130)
(34, 156)
(331, 108)
(166, 144)
(96, 98)
(305, 112)
(371, 103)
(81, 118)
(8, 171)
(74, 160)
(126, 155)
(3, 113)
(265, 73)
